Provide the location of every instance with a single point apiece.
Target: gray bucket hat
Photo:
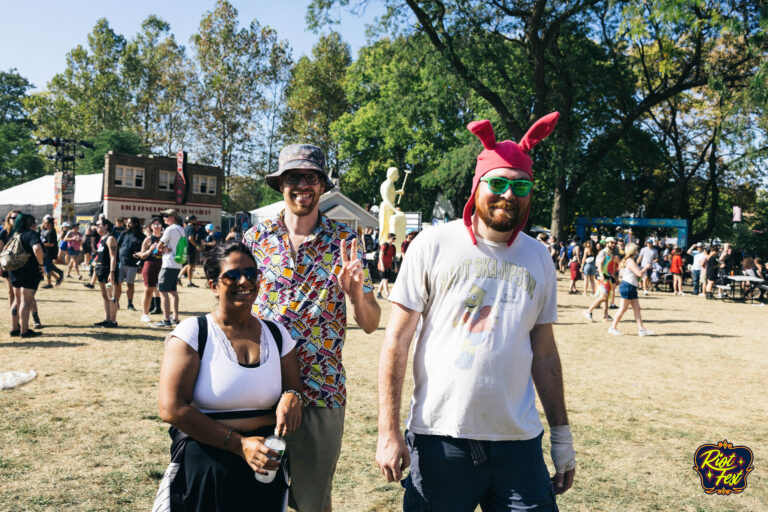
(299, 156)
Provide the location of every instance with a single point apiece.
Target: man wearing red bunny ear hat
(485, 296)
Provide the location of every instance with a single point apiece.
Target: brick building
(139, 186)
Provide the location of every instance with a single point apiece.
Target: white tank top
(628, 276)
(223, 384)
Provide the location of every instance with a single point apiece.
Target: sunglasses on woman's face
(293, 178)
(233, 275)
(499, 185)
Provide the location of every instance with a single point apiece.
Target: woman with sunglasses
(228, 399)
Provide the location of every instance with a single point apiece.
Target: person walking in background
(74, 241)
(574, 263)
(169, 271)
(193, 247)
(153, 261)
(50, 252)
(630, 272)
(699, 263)
(118, 228)
(606, 275)
(26, 279)
(677, 270)
(387, 253)
(209, 242)
(5, 235)
(713, 270)
(562, 256)
(128, 245)
(105, 270)
(589, 269)
(647, 256)
(310, 266)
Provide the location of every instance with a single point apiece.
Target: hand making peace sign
(352, 274)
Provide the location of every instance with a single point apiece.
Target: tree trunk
(559, 210)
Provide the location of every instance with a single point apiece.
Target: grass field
(85, 434)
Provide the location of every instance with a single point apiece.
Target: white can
(276, 443)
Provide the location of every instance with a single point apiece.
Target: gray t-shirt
(472, 358)
(647, 255)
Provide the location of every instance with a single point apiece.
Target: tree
(315, 97)
(19, 160)
(407, 113)
(602, 64)
(233, 69)
(157, 77)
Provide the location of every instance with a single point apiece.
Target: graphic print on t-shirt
(500, 285)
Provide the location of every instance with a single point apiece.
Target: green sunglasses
(499, 185)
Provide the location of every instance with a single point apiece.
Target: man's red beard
(501, 215)
(301, 210)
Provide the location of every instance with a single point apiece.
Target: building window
(166, 180)
(129, 177)
(204, 185)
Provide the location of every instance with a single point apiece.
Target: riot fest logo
(723, 468)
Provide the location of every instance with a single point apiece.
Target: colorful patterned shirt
(303, 294)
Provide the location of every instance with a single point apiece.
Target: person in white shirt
(699, 263)
(647, 256)
(483, 297)
(169, 271)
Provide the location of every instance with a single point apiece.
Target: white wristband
(563, 454)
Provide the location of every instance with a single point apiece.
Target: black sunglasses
(233, 276)
(293, 178)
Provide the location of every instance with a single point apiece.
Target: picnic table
(745, 279)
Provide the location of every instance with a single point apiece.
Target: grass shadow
(702, 334)
(41, 344)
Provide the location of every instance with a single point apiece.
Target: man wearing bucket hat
(308, 266)
(483, 296)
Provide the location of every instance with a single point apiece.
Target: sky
(35, 38)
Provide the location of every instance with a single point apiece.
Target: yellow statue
(391, 219)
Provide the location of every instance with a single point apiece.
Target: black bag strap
(202, 334)
(276, 335)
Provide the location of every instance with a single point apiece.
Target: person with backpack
(228, 380)
(172, 246)
(5, 235)
(26, 250)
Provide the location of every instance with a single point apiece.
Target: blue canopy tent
(582, 223)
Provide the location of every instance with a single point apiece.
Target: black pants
(219, 480)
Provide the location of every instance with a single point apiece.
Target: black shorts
(102, 273)
(389, 275)
(166, 281)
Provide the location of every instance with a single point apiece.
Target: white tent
(36, 196)
(333, 204)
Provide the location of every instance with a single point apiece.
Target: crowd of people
(109, 255)
(610, 264)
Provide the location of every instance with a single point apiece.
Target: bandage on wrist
(562, 452)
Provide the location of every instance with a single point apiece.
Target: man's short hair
(391, 235)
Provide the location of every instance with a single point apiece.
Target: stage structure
(65, 156)
(681, 225)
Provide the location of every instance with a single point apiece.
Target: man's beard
(501, 215)
(301, 210)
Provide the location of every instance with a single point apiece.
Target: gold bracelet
(229, 434)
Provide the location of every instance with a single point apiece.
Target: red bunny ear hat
(505, 154)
